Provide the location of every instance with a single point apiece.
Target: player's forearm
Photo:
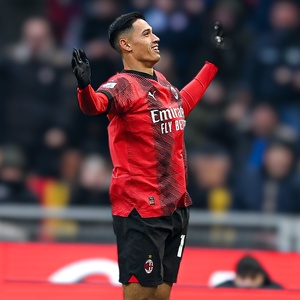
(194, 90)
(90, 102)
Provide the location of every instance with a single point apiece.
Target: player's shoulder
(160, 75)
(117, 81)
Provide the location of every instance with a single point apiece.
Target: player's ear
(125, 45)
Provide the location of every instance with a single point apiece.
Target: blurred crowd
(242, 139)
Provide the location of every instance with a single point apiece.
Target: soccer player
(148, 189)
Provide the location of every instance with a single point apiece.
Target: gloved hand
(218, 39)
(81, 68)
(217, 45)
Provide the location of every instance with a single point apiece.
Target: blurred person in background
(90, 32)
(250, 274)
(13, 181)
(53, 182)
(62, 14)
(210, 183)
(204, 120)
(178, 23)
(12, 15)
(223, 121)
(94, 181)
(272, 66)
(47, 157)
(232, 14)
(32, 98)
(262, 126)
(148, 190)
(274, 187)
(167, 65)
(139, 5)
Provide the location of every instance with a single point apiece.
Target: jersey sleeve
(119, 92)
(193, 91)
(112, 97)
(92, 103)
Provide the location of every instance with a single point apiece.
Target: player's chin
(156, 58)
(153, 59)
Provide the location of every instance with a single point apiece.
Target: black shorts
(150, 249)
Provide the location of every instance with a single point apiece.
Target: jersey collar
(146, 75)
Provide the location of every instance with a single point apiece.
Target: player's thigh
(140, 250)
(163, 291)
(175, 245)
(134, 291)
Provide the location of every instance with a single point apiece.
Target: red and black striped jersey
(146, 140)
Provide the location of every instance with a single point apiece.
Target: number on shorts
(180, 249)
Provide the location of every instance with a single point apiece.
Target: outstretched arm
(193, 91)
(90, 102)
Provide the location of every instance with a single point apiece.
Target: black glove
(218, 38)
(217, 45)
(81, 68)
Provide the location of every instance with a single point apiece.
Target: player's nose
(156, 39)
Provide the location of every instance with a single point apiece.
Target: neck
(138, 66)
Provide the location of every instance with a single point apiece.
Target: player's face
(144, 43)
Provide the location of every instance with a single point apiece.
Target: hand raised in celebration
(218, 38)
(81, 68)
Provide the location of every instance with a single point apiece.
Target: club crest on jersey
(174, 92)
(148, 266)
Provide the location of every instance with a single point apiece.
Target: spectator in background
(231, 14)
(54, 181)
(91, 34)
(62, 14)
(13, 186)
(272, 68)
(218, 120)
(250, 274)
(47, 159)
(94, 181)
(12, 15)
(139, 5)
(263, 125)
(168, 65)
(89, 31)
(209, 181)
(178, 24)
(273, 187)
(32, 96)
(56, 192)
(70, 162)
(204, 120)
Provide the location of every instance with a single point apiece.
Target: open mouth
(155, 48)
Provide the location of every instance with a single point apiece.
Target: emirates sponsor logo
(170, 119)
(166, 114)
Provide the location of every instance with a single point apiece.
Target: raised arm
(90, 102)
(193, 91)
